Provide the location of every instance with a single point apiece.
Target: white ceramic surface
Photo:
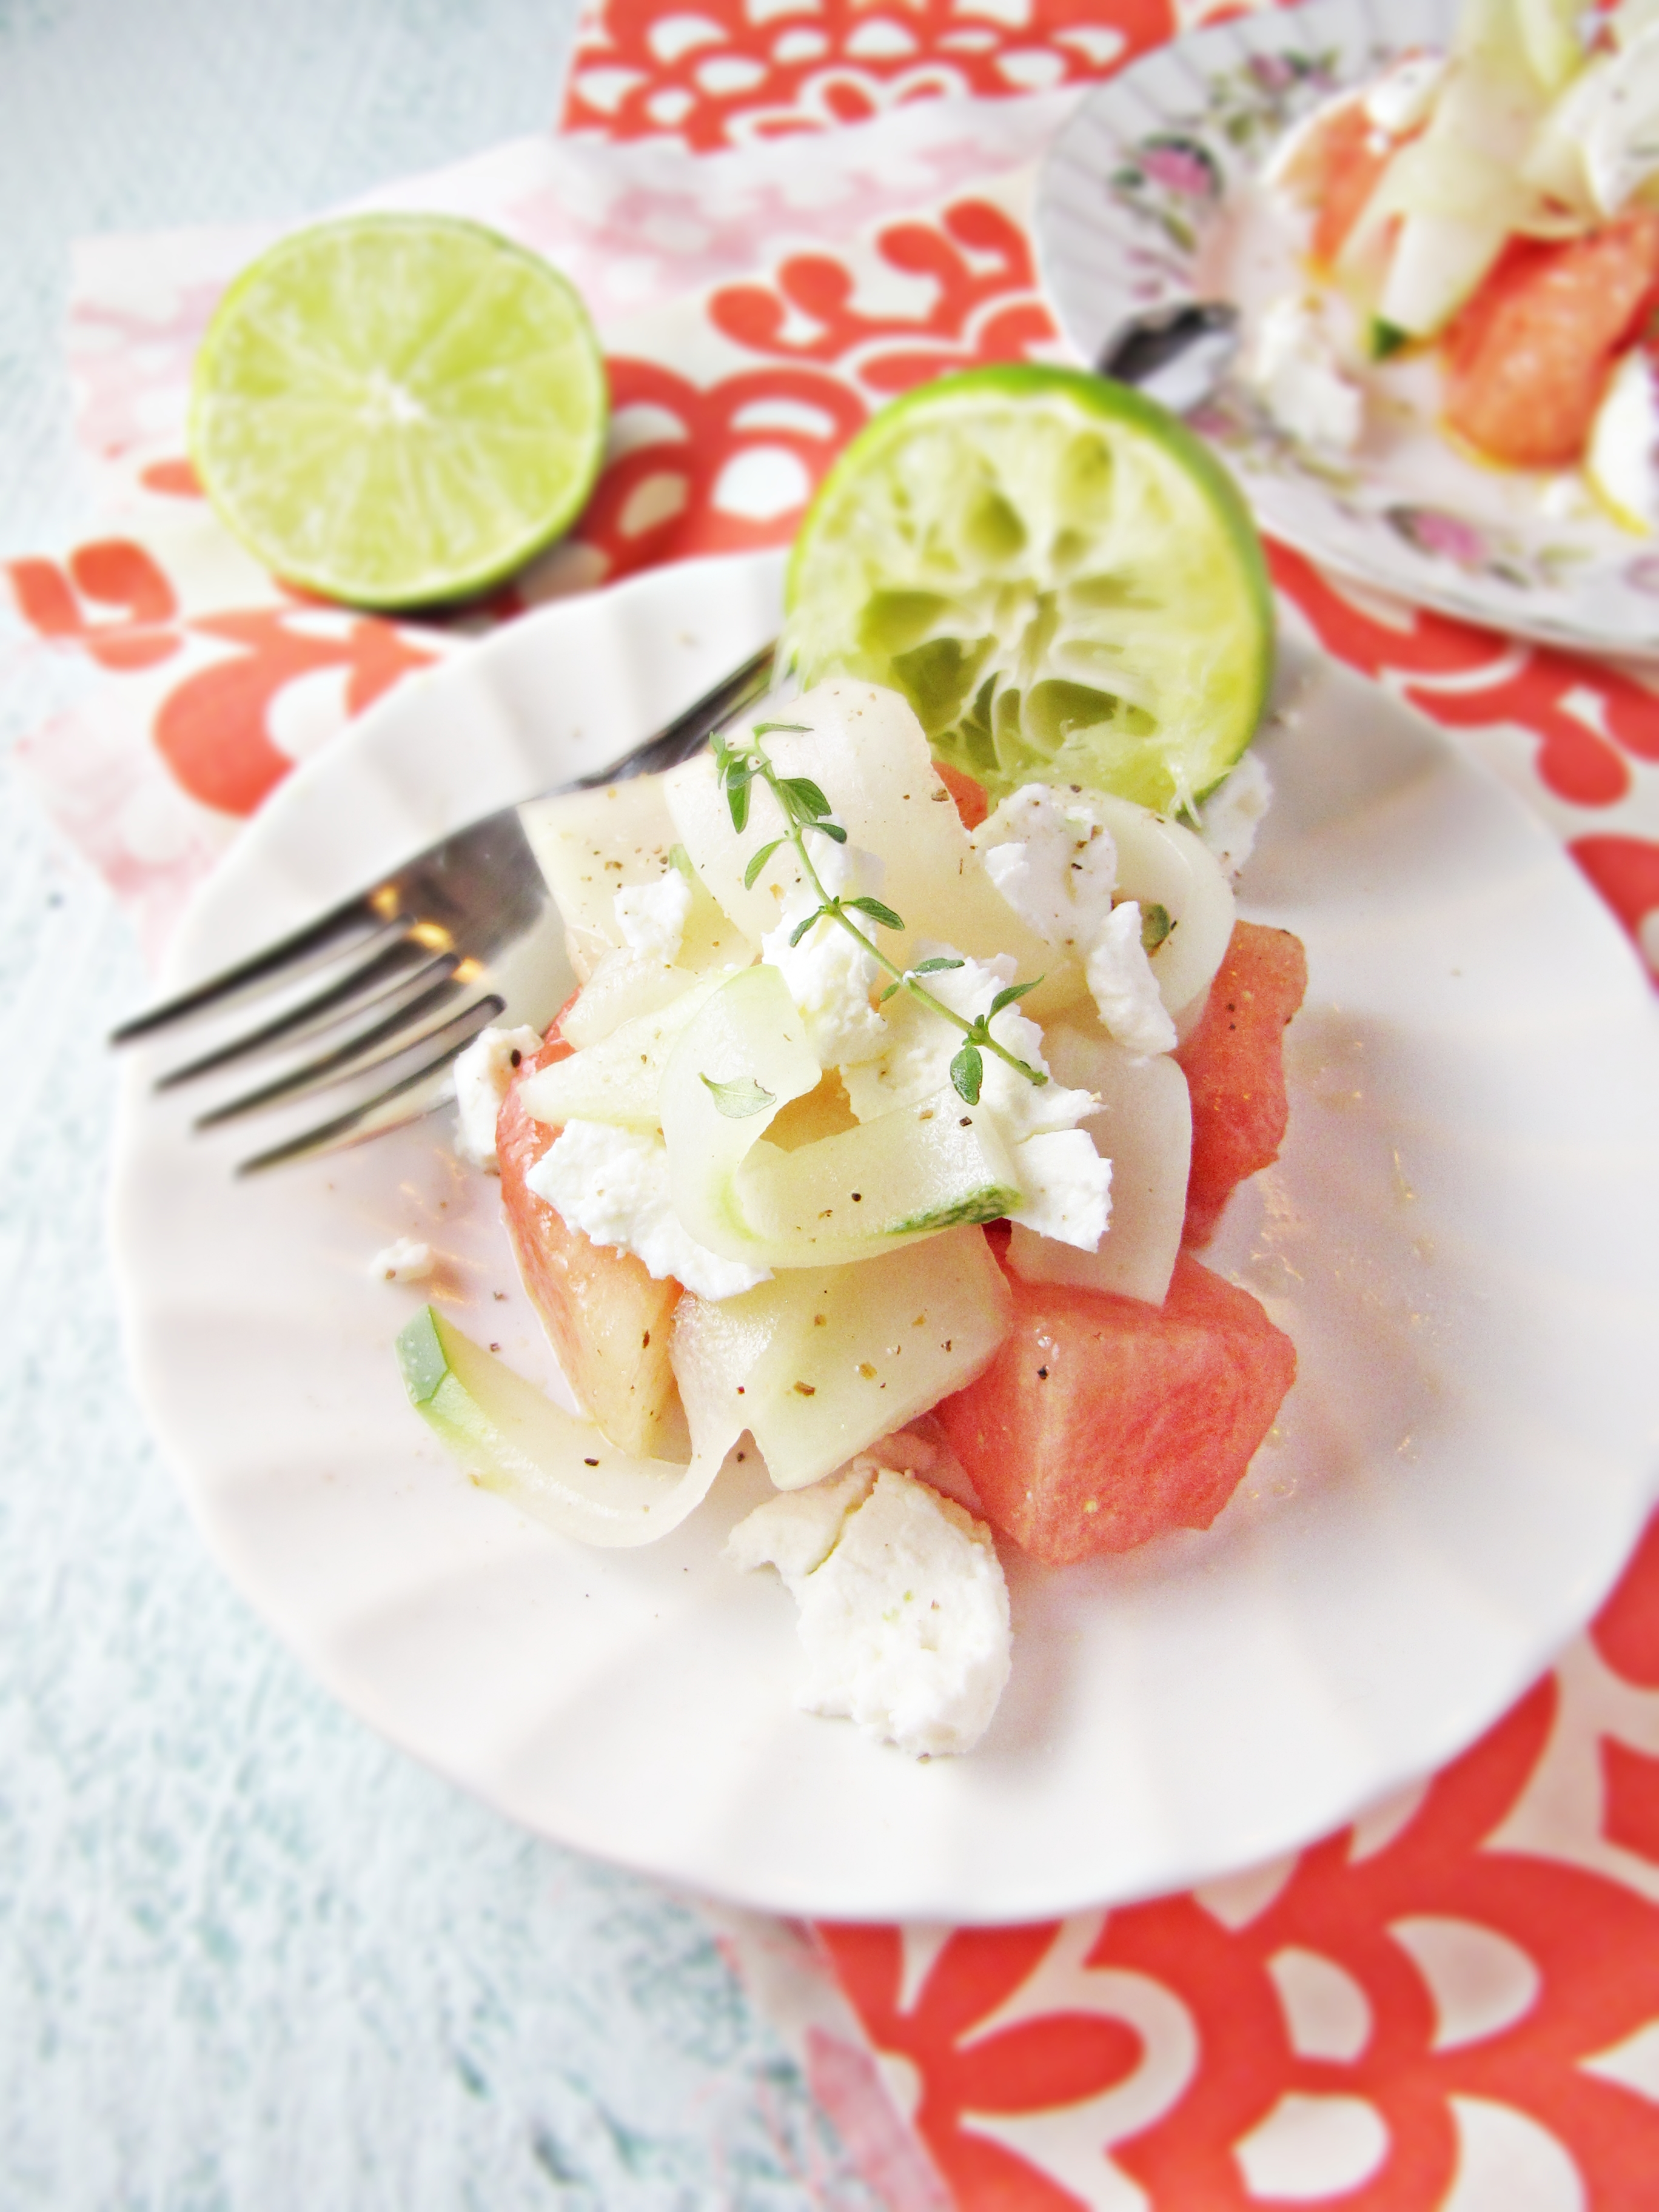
(1149, 195)
(1462, 1237)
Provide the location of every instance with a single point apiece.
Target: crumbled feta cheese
(612, 1184)
(916, 1066)
(1124, 987)
(1231, 816)
(1403, 98)
(796, 1531)
(651, 917)
(404, 1262)
(903, 1612)
(921, 1448)
(916, 1063)
(1622, 458)
(1053, 862)
(1067, 1187)
(482, 1074)
(829, 973)
(1294, 365)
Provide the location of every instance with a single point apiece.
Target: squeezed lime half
(1059, 575)
(399, 410)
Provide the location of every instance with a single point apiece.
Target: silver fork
(463, 935)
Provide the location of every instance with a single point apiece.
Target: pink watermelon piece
(607, 1317)
(1234, 1067)
(1103, 1421)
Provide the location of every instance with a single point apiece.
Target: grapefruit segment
(1102, 1421)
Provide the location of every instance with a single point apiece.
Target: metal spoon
(1176, 355)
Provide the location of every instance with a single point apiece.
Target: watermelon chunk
(607, 1317)
(1103, 1421)
(1234, 1063)
(1528, 358)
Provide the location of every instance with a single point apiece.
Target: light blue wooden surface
(249, 1957)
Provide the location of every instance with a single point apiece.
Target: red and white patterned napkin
(1455, 2004)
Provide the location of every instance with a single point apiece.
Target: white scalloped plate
(1462, 1237)
(1148, 196)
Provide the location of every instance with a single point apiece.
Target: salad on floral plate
(1436, 228)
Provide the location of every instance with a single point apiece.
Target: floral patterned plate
(1150, 195)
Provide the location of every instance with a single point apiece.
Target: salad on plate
(1479, 230)
(917, 1049)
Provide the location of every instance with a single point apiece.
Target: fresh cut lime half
(1059, 575)
(399, 410)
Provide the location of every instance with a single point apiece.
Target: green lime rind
(1057, 572)
(399, 411)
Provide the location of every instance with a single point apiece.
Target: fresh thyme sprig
(804, 807)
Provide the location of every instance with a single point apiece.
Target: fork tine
(399, 1033)
(328, 1136)
(355, 992)
(260, 968)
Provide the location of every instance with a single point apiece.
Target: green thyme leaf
(758, 862)
(736, 796)
(795, 729)
(967, 1074)
(830, 830)
(1007, 997)
(680, 859)
(891, 990)
(801, 928)
(739, 1100)
(804, 798)
(877, 912)
(1155, 926)
(935, 967)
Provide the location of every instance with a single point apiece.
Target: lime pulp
(1060, 576)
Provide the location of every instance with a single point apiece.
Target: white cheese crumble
(403, 1261)
(1294, 365)
(903, 1611)
(1403, 98)
(482, 1075)
(1125, 989)
(1232, 815)
(1067, 1187)
(1622, 458)
(651, 917)
(1058, 866)
(1067, 1190)
(828, 975)
(612, 1184)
